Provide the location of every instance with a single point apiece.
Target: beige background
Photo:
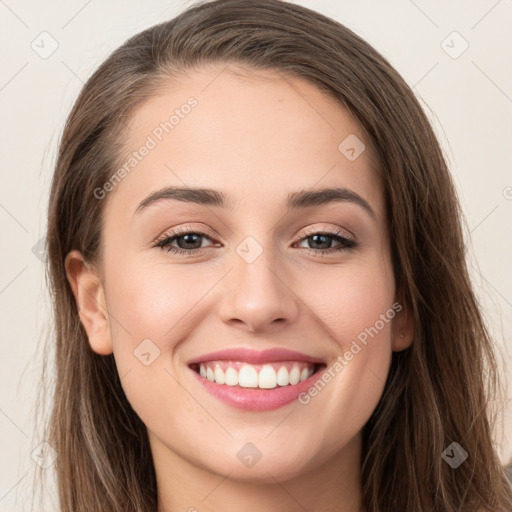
(468, 98)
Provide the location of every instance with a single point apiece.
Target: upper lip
(251, 356)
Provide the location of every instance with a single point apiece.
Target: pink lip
(255, 399)
(254, 357)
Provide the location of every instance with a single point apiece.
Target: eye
(322, 241)
(189, 243)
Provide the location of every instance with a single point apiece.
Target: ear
(90, 298)
(403, 327)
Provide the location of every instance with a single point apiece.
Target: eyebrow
(300, 199)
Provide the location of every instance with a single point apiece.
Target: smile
(262, 376)
(256, 387)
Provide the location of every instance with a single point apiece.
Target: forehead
(255, 135)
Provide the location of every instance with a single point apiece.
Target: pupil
(189, 240)
(324, 237)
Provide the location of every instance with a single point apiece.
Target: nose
(258, 297)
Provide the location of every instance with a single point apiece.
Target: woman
(256, 369)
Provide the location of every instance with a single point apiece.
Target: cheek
(356, 309)
(153, 302)
(164, 303)
(148, 310)
(348, 300)
(151, 312)
(346, 394)
(156, 308)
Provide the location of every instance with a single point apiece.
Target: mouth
(252, 380)
(270, 375)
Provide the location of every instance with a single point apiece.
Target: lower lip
(256, 399)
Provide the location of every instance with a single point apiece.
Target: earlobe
(401, 342)
(90, 299)
(403, 330)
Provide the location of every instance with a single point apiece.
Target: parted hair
(438, 391)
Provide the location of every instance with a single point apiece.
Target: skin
(256, 137)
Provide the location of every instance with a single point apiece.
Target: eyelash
(164, 242)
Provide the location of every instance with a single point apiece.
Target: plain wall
(468, 99)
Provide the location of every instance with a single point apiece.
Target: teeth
(267, 378)
(231, 377)
(219, 375)
(304, 374)
(248, 376)
(282, 376)
(294, 375)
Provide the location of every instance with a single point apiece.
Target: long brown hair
(437, 392)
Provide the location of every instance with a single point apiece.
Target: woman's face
(264, 270)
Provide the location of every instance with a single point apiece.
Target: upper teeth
(267, 376)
